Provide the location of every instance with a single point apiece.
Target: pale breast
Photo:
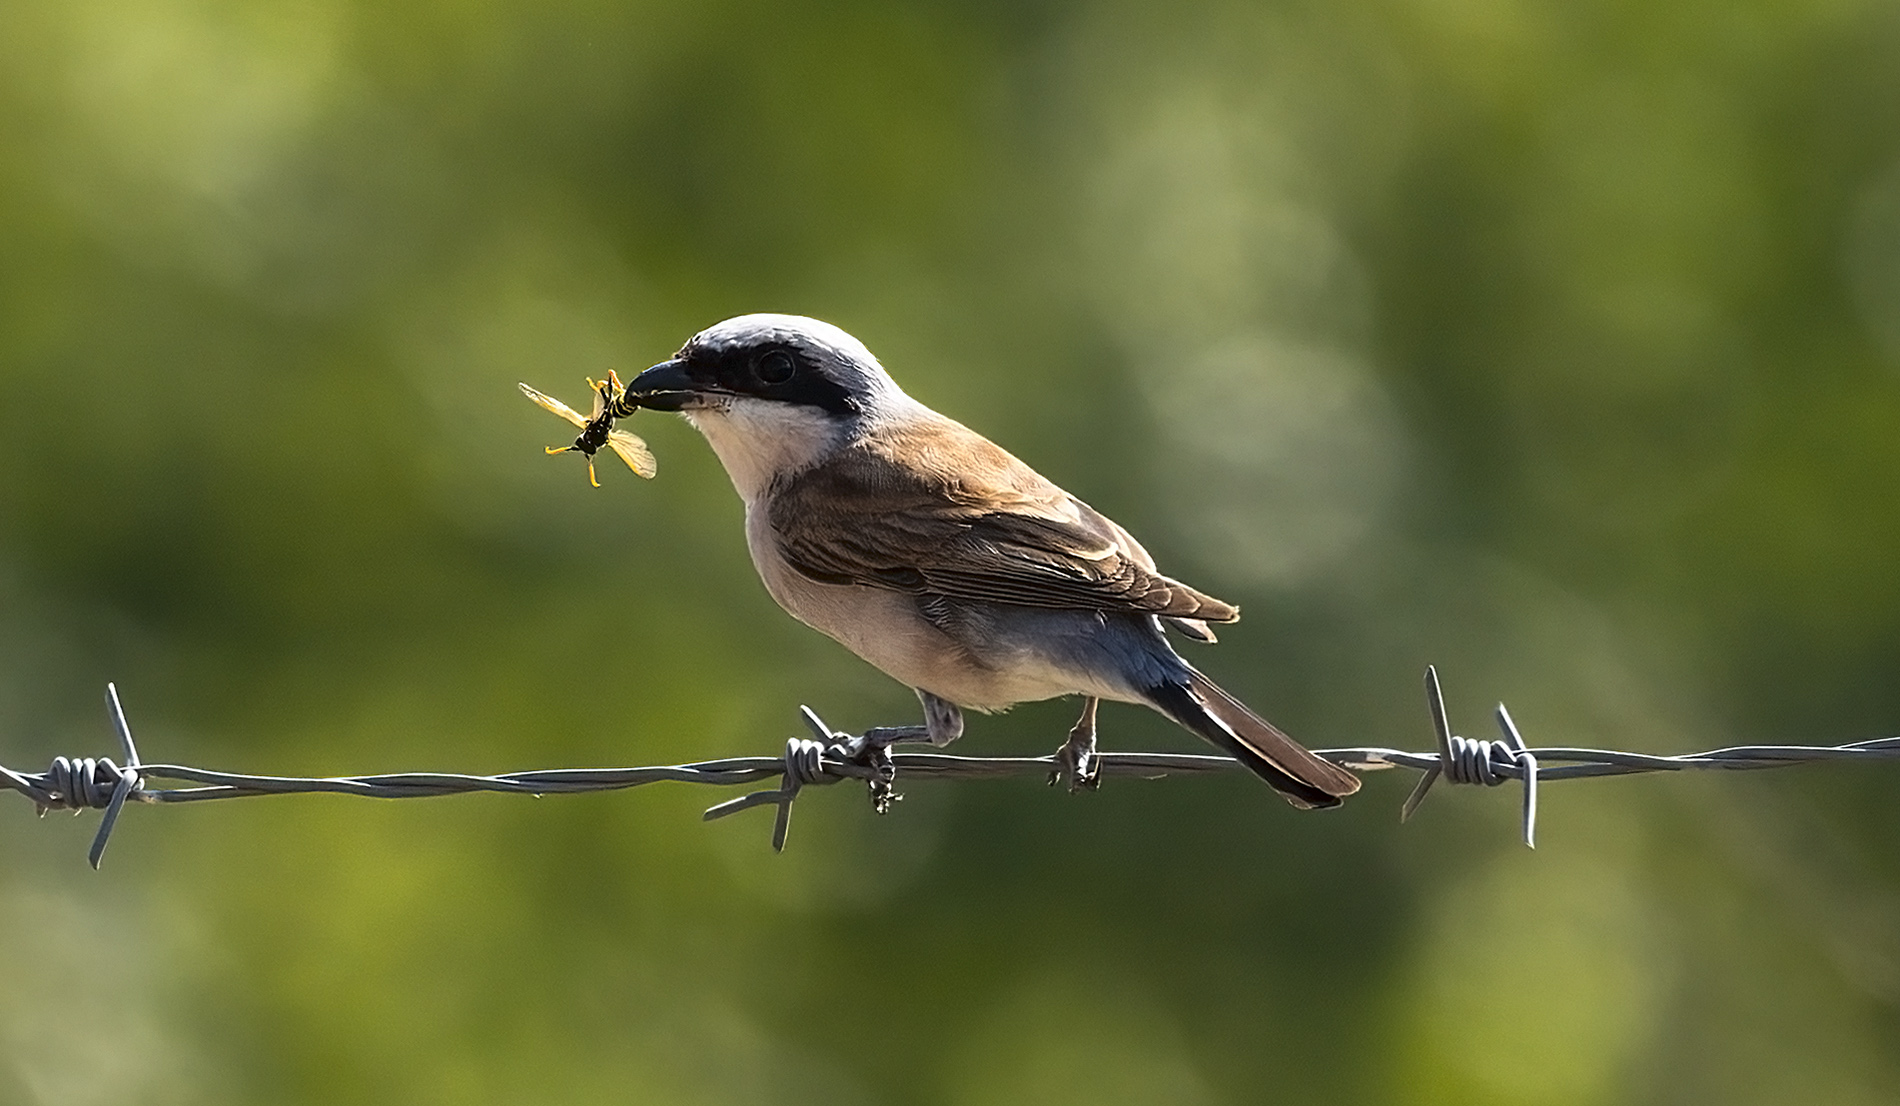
(883, 627)
(887, 629)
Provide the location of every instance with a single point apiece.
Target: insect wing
(549, 403)
(633, 451)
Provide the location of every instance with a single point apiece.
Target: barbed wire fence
(832, 756)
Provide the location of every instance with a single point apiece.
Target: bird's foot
(1078, 762)
(1076, 758)
(883, 795)
(870, 749)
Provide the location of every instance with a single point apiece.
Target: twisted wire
(832, 756)
(80, 784)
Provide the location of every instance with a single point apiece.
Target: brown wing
(962, 518)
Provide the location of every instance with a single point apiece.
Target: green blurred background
(1555, 343)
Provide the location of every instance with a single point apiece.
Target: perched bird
(943, 560)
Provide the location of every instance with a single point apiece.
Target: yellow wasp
(597, 429)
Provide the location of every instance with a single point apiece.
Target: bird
(943, 560)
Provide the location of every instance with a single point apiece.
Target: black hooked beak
(665, 387)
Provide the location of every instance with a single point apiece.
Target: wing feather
(936, 508)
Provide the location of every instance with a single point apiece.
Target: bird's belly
(887, 629)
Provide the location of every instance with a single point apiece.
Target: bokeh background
(1554, 343)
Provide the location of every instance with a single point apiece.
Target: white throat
(759, 441)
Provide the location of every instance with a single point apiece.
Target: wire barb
(833, 755)
(830, 756)
(79, 784)
(128, 777)
(1462, 760)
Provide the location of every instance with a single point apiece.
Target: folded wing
(958, 516)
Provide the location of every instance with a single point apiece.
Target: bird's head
(774, 394)
(780, 360)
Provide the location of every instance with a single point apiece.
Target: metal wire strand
(831, 756)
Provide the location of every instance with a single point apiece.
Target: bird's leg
(1075, 758)
(943, 723)
(883, 737)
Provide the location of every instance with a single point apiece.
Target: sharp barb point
(814, 723)
(120, 726)
(1530, 799)
(1435, 699)
(1417, 796)
(782, 825)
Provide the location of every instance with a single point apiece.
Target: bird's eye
(776, 367)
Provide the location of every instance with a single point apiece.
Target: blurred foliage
(1556, 343)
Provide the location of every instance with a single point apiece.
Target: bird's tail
(1301, 778)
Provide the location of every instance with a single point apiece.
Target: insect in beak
(597, 428)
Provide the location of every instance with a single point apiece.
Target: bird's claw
(871, 749)
(1076, 760)
(883, 795)
(877, 757)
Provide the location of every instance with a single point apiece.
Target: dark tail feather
(1301, 778)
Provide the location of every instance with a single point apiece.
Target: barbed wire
(832, 756)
